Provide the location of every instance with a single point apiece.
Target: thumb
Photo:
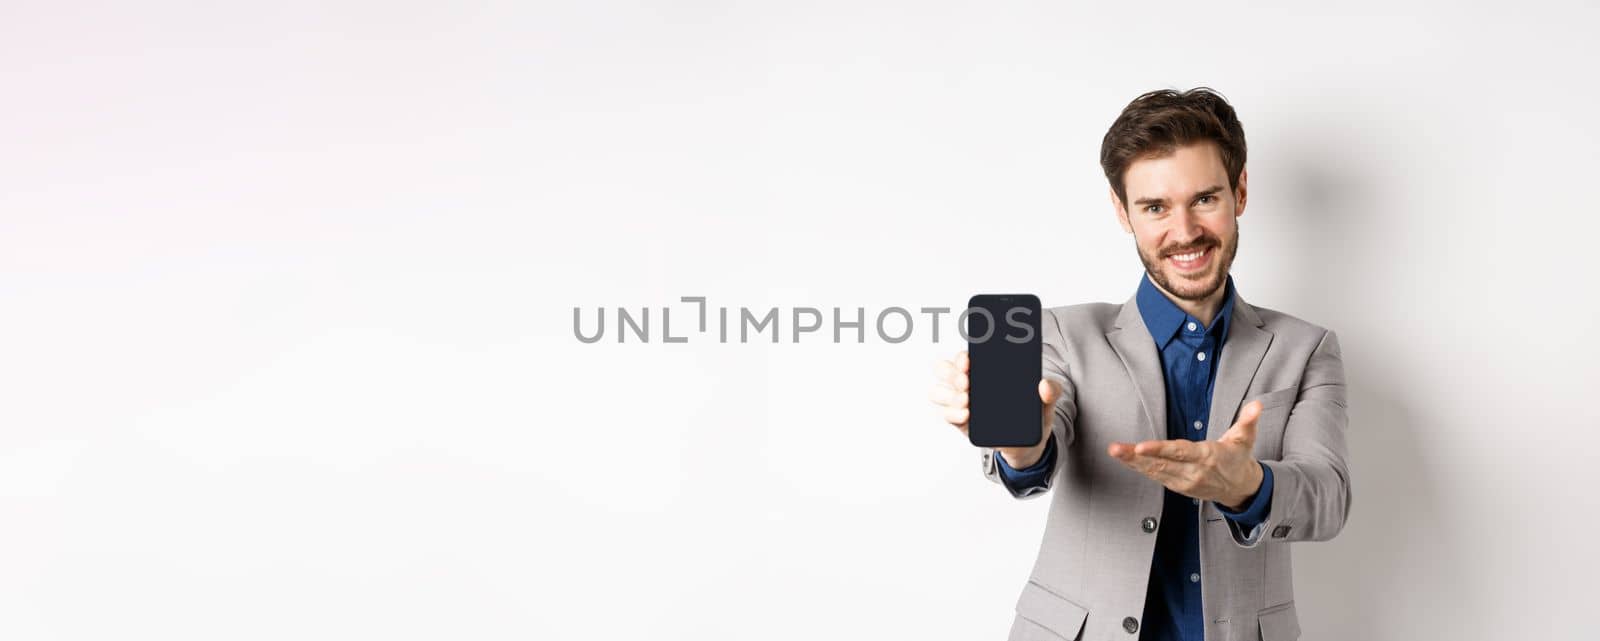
(1049, 392)
(1244, 430)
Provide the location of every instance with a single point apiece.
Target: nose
(1185, 227)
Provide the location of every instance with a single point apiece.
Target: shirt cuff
(1255, 511)
(1033, 476)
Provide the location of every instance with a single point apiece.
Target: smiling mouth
(1192, 260)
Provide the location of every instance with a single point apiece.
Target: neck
(1204, 309)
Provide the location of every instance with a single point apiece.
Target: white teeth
(1188, 257)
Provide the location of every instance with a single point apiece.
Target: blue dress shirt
(1190, 350)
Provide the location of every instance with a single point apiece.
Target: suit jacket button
(1148, 524)
(1130, 624)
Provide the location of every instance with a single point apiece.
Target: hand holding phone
(950, 394)
(995, 392)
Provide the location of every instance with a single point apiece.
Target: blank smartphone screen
(1004, 346)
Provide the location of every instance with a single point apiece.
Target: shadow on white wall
(1402, 535)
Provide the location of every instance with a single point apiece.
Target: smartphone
(1005, 350)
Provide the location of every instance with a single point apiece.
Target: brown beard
(1225, 253)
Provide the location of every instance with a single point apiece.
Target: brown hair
(1157, 123)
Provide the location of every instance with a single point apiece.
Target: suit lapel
(1132, 341)
(1241, 356)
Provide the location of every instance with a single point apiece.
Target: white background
(286, 345)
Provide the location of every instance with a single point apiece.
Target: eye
(1153, 209)
(1207, 199)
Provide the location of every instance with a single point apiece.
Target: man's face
(1183, 219)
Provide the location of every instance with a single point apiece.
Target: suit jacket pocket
(1051, 611)
(1279, 623)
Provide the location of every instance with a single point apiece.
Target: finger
(963, 363)
(1129, 460)
(1174, 450)
(949, 373)
(1157, 469)
(957, 416)
(1152, 467)
(1164, 471)
(1244, 430)
(1049, 392)
(943, 395)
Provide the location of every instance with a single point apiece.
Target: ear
(1240, 194)
(1122, 212)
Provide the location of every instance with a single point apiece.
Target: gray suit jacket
(1093, 566)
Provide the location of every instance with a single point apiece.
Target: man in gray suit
(1162, 526)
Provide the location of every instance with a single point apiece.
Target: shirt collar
(1164, 318)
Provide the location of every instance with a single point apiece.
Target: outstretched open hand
(1222, 470)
